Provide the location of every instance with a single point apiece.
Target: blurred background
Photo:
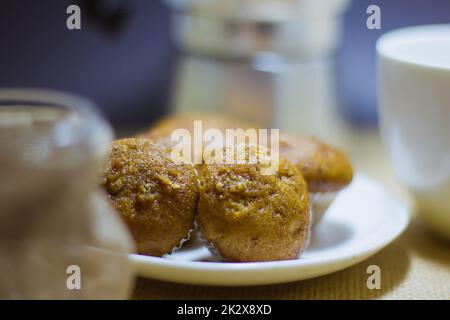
(297, 65)
(293, 64)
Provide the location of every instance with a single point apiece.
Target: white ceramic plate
(364, 218)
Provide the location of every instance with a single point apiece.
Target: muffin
(247, 215)
(156, 197)
(326, 170)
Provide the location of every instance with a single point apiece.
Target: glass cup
(59, 237)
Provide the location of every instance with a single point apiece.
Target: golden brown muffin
(325, 169)
(162, 130)
(155, 196)
(248, 216)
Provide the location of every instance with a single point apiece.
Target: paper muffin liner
(320, 202)
(194, 229)
(214, 252)
(184, 240)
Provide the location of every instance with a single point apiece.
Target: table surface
(415, 266)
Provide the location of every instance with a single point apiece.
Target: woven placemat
(415, 266)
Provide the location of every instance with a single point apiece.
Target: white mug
(414, 109)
